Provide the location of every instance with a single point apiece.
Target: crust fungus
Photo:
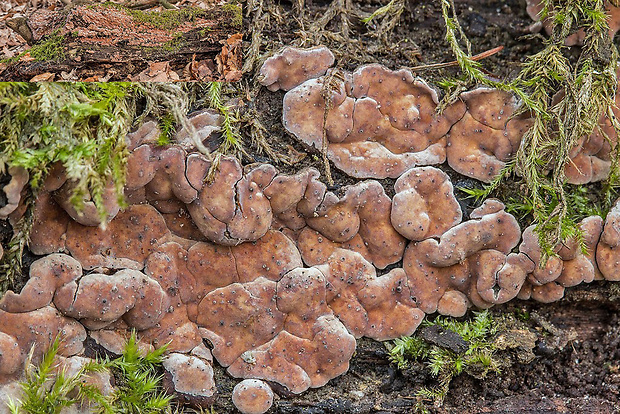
(292, 67)
(590, 158)
(13, 190)
(292, 195)
(190, 378)
(377, 307)
(10, 354)
(86, 212)
(246, 312)
(229, 273)
(147, 133)
(206, 266)
(312, 345)
(569, 267)
(162, 173)
(233, 209)
(608, 251)
(487, 136)
(252, 396)
(457, 267)
(415, 207)
(113, 342)
(490, 228)
(38, 329)
(49, 228)
(379, 124)
(359, 221)
(125, 243)
(46, 275)
(499, 277)
(98, 300)
(205, 122)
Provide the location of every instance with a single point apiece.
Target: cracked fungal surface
(274, 271)
(379, 123)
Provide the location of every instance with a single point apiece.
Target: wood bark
(116, 43)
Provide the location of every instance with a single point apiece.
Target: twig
(477, 57)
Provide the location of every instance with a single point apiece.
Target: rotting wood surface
(112, 43)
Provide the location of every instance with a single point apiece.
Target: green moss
(205, 30)
(166, 19)
(167, 128)
(51, 49)
(444, 364)
(234, 10)
(138, 388)
(586, 89)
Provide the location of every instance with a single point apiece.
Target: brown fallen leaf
(156, 72)
(201, 70)
(97, 78)
(44, 77)
(229, 59)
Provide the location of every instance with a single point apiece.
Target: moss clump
(566, 101)
(445, 364)
(167, 128)
(80, 125)
(51, 49)
(138, 388)
(166, 19)
(234, 10)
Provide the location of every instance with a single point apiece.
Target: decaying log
(118, 43)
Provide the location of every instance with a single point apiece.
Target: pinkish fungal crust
(190, 378)
(38, 329)
(147, 133)
(125, 243)
(288, 192)
(381, 122)
(608, 248)
(98, 299)
(233, 209)
(569, 268)
(234, 275)
(162, 173)
(49, 228)
(361, 300)
(424, 205)
(86, 212)
(490, 228)
(292, 67)
(205, 122)
(590, 158)
(46, 276)
(312, 346)
(500, 277)
(480, 144)
(13, 190)
(359, 221)
(252, 396)
(246, 312)
(454, 264)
